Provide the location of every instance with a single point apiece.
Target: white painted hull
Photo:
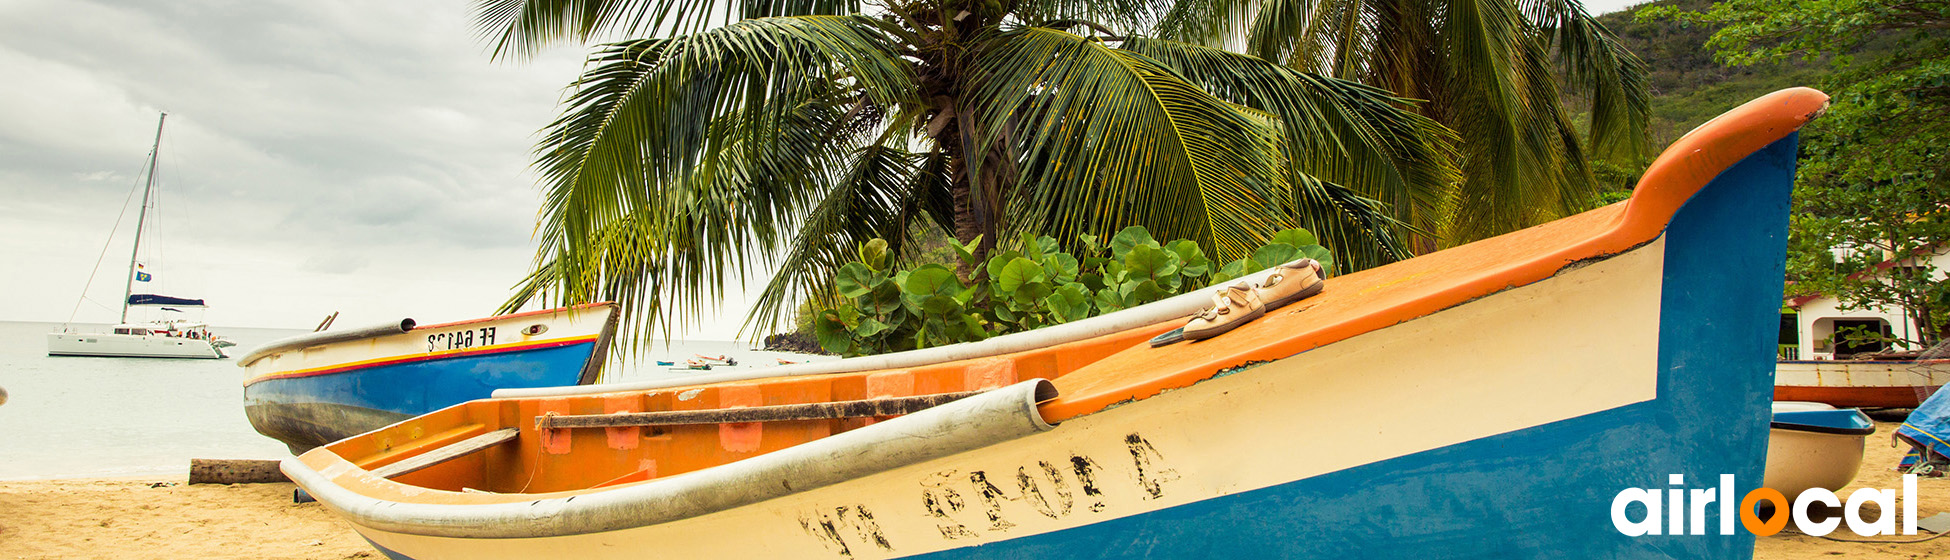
(130, 346)
(1847, 383)
(1798, 460)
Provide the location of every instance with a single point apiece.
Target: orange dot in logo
(1752, 521)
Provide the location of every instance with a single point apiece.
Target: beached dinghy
(1814, 445)
(317, 388)
(1527, 380)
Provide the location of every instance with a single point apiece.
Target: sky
(359, 156)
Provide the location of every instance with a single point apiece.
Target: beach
(160, 517)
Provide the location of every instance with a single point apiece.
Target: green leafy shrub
(1032, 285)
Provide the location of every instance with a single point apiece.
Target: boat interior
(509, 449)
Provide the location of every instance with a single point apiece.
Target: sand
(164, 518)
(1878, 460)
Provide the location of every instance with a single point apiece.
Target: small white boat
(1814, 445)
(157, 339)
(718, 360)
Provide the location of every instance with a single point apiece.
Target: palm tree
(787, 133)
(1490, 70)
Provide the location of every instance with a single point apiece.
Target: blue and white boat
(1486, 401)
(317, 388)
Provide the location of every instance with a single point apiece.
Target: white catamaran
(154, 339)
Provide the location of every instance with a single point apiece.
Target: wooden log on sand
(234, 471)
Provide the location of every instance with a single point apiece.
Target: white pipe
(972, 423)
(1176, 307)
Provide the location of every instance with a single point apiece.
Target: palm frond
(1595, 61)
(865, 202)
(1112, 138)
(665, 177)
(522, 27)
(1346, 134)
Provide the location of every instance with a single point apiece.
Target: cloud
(362, 155)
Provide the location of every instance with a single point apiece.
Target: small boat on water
(1860, 383)
(691, 365)
(321, 387)
(1814, 445)
(168, 338)
(718, 360)
(1529, 378)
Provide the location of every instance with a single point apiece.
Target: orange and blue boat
(1488, 400)
(317, 388)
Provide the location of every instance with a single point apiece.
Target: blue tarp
(153, 299)
(1928, 427)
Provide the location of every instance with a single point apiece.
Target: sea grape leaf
(1274, 254)
(854, 279)
(874, 253)
(1294, 236)
(1130, 237)
(1017, 273)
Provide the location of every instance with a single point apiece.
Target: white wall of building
(1817, 316)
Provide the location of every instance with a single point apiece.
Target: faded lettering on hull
(980, 503)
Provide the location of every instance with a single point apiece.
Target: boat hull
(1613, 375)
(1485, 412)
(316, 395)
(1814, 448)
(1846, 383)
(130, 346)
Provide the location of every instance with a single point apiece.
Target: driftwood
(234, 471)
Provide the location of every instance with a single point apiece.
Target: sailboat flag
(142, 277)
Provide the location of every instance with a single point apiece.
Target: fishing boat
(718, 360)
(321, 387)
(1860, 383)
(167, 338)
(1530, 378)
(1814, 445)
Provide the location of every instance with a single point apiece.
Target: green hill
(1687, 85)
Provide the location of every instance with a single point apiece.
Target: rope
(103, 255)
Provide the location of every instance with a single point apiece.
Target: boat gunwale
(399, 327)
(978, 421)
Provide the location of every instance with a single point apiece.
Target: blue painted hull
(306, 412)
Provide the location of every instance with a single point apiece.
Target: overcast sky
(359, 156)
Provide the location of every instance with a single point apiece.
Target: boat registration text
(460, 340)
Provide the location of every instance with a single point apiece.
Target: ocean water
(74, 417)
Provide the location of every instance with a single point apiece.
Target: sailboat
(154, 339)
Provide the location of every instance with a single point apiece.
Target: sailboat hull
(130, 346)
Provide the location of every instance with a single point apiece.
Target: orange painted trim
(443, 354)
(1681, 171)
(514, 316)
(1881, 397)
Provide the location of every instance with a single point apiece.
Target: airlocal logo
(1684, 510)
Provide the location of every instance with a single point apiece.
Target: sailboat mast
(155, 153)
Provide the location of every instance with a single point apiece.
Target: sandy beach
(137, 518)
(164, 518)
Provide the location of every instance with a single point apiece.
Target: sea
(75, 417)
